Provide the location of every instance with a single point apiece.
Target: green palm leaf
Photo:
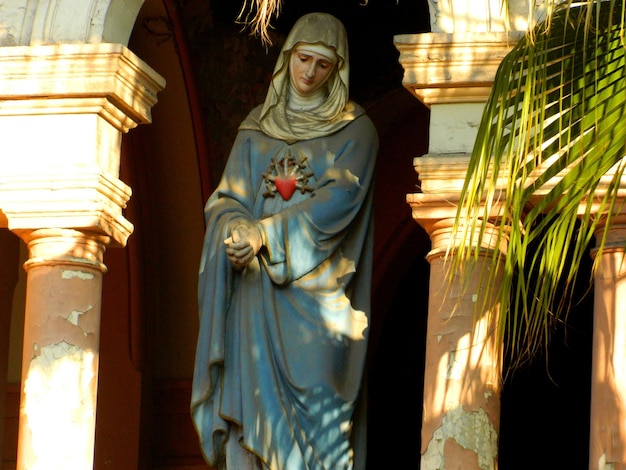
(547, 160)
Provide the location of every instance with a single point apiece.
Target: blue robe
(282, 344)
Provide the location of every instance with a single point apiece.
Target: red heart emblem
(286, 186)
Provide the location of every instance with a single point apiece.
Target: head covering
(321, 49)
(276, 119)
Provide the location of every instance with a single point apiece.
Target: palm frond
(554, 130)
(257, 16)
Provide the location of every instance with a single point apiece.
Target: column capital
(615, 236)
(53, 247)
(435, 207)
(63, 110)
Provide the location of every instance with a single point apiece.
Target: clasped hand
(244, 243)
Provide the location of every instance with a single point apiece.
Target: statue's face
(309, 70)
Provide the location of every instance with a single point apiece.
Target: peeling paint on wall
(59, 406)
(75, 315)
(470, 430)
(604, 465)
(76, 274)
(455, 369)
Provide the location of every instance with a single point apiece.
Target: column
(608, 370)
(60, 353)
(461, 419)
(62, 117)
(451, 71)
(461, 407)
(452, 75)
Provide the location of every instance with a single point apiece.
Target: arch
(39, 22)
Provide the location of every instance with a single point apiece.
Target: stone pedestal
(63, 110)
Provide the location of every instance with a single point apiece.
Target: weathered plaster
(73, 273)
(76, 315)
(604, 465)
(471, 430)
(58, 407)
(453, 127)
